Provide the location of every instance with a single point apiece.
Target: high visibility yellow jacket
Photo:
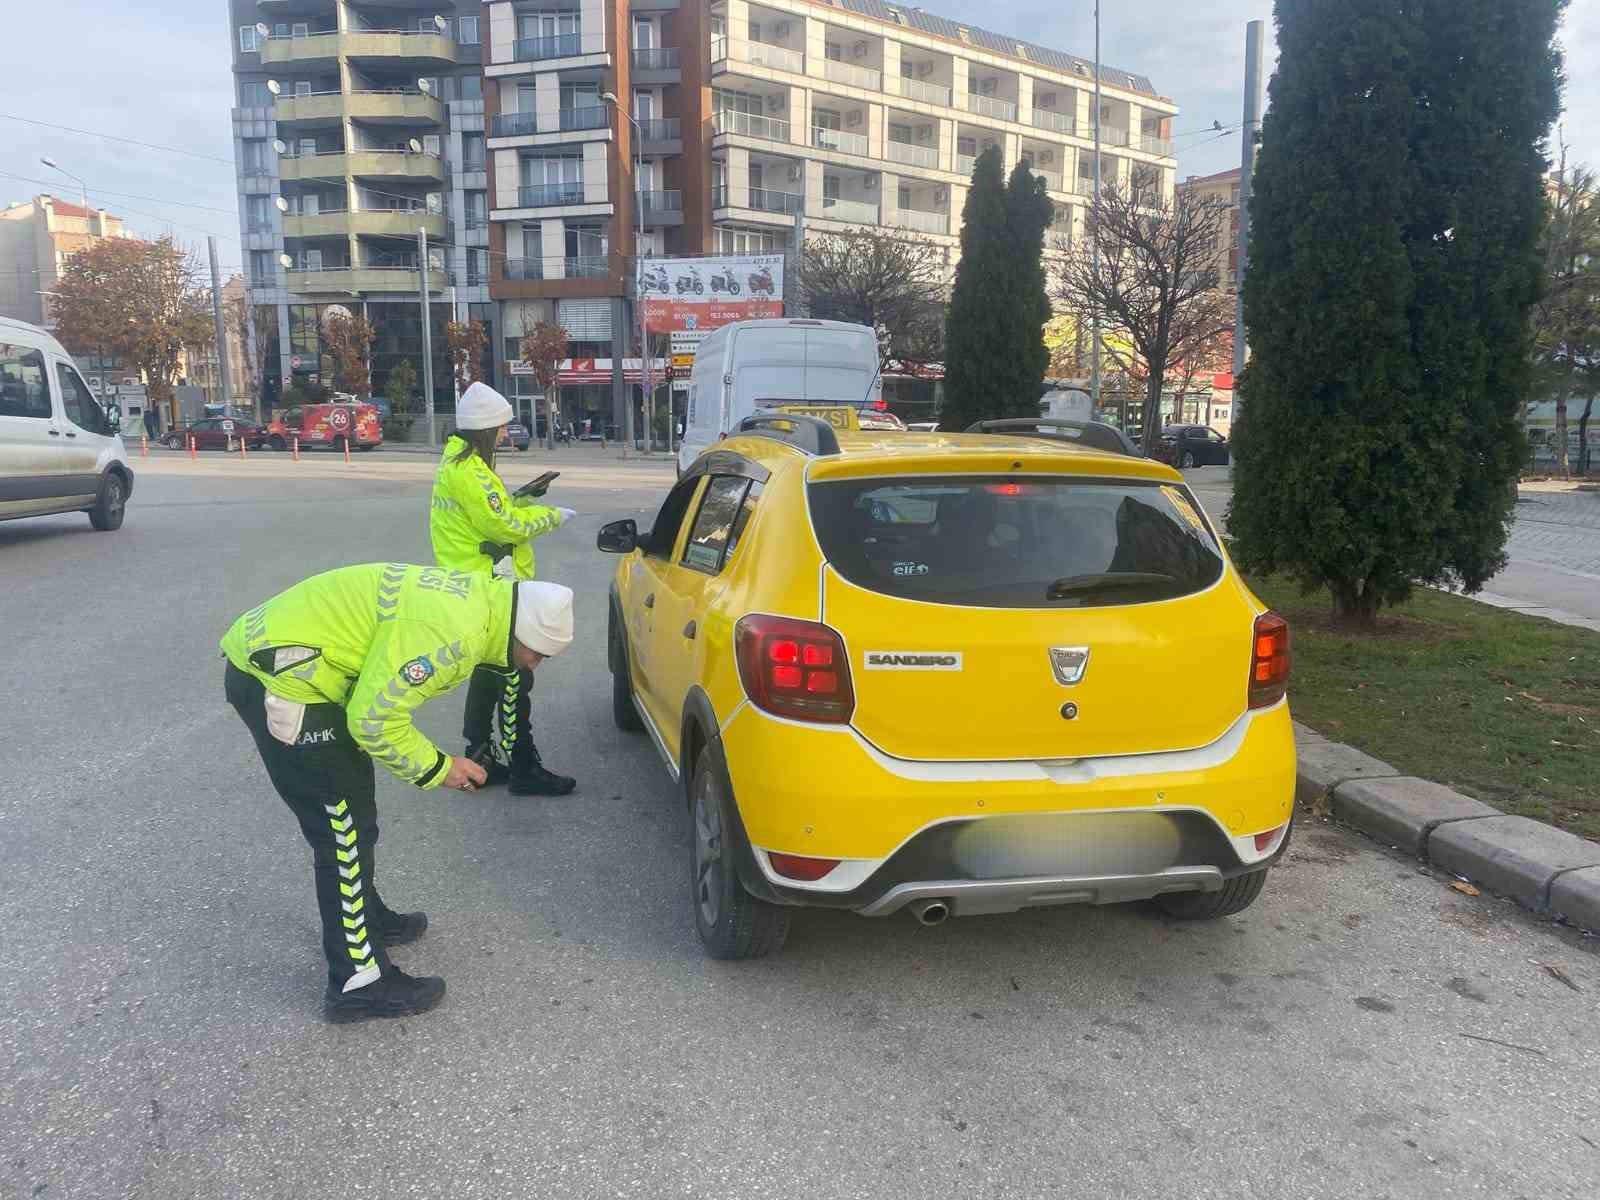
(379, 639)
(471, 506)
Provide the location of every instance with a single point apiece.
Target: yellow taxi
(949, 673)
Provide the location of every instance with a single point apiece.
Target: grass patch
(1501, 706)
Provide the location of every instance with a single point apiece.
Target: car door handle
(55, 433)
(650, 600)
(688, 630)
(71, 434)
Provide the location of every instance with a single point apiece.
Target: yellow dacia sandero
(955, 673)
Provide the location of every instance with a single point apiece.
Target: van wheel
(1237, 894)
(623, 714)
(730, 921)
(109, 509)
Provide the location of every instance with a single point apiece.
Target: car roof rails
(1096, 435)
(811, 434)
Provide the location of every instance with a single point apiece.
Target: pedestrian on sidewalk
(473, 521)
(326, 676)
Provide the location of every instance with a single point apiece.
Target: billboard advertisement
(695, 295)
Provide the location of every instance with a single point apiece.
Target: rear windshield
(1016, 543)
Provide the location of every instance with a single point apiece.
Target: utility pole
(1247, 166)
(222, 329)
(427, 330)
(1094, 235)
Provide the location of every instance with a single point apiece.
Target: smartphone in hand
(539, 486)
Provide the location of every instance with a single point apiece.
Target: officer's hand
(465, 775)
(567, 514)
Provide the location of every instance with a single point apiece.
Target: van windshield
(997, 542)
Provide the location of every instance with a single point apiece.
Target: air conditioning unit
(988, 86)
(941, 195)
(774, 103)
(781, 29)
(794, 174)
(1048, 100)
(860, 49)
(854, 118)
(924, 69)
(1047, 156)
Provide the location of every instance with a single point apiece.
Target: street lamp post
(638, 209)
(82, 186)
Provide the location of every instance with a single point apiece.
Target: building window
(255, 214)
(477, 266)
(732, 239)
(249, 39)
(472, 87)
(472, 156)
(253, 94)
(467, 31)
(475, 208)
(739, 102)
(262, 264)
(255, 154)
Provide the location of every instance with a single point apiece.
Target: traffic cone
(347, 452)
(296, 447)
(192, 454)
(241, 447)
(144, 445)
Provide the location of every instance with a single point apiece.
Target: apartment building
(358, 125)
(37, 237)
(1222, 188)
(560, 139)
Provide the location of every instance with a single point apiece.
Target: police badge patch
(494, 501)
(417, 672)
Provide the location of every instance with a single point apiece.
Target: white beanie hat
(544, 616)
(481, 407)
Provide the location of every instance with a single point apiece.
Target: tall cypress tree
(1028, 213)
(1393, 260)
(983, 315)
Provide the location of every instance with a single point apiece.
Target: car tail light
(793, 668)
(795, 866)
(1269, 660)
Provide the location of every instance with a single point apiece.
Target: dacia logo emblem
(1069, 663)
(417, 672)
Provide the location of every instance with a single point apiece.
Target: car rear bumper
(994, 837)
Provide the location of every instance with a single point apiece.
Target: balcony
(589, 266)
(656, 59)
(594, 117)
(356, 280)
(759, 54)
(514, 124)
(838, 139)
(548, 195)
(662, 207)
(522, 269)
(768, 200)
(310, 50)
(1052, 182)
(928, 93)
(750, 125)
(1111, 136)
(562, 45)
(657, 135)
(369, 164)
(1152, 144)
(380, 106)
(385, 45)
(854, 76)
(1049, 118)
(991, 106)
(857, 212)
(402, 223)
(922, 221)
(912, 155)
(965, 163)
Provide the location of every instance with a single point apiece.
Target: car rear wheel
(1237, 894)
(731, 922)
(112, 506)
(1186, 459)
(172, 442)
(623, 714)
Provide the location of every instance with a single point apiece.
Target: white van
(59, 451)
(748, 365)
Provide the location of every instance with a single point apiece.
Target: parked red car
(330, 425)
(217, 433)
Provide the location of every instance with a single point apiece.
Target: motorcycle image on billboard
(701, 294)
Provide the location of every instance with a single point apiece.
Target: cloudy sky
(158, 71)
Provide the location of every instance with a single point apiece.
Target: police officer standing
(326, 677)
(474, 520)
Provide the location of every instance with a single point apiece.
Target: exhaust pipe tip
(931, 912)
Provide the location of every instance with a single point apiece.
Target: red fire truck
(330, 425)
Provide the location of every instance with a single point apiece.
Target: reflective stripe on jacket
(379, 639)
(471, 506)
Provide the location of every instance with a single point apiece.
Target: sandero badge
(1069, 663)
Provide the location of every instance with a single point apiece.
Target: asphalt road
(1362, 1031)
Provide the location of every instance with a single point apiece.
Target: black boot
(529, 778)
(396, 929)
(483, 754)
(392, 994)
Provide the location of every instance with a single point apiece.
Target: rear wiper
(1078, 585)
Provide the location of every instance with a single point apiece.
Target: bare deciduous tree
(349, 341)
(1566, 321)
(467, 340)
(887, 279)
(543, 348)
(1155, 285)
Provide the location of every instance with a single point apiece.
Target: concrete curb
(1542, 868)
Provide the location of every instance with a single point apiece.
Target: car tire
(1236, 895)
(1185, 460)
(623, 713)
(732, 923)
(172, 442)
(112, 504)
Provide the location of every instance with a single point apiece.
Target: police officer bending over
(327, 676)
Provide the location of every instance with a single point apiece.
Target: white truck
(750, 365)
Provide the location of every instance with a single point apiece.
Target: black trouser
(502, 694)
(326, 780)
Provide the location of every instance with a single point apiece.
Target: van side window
(719, 510)
(24, 388)
(83, 410)
(663, 534)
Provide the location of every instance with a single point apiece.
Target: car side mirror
(618, 537)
